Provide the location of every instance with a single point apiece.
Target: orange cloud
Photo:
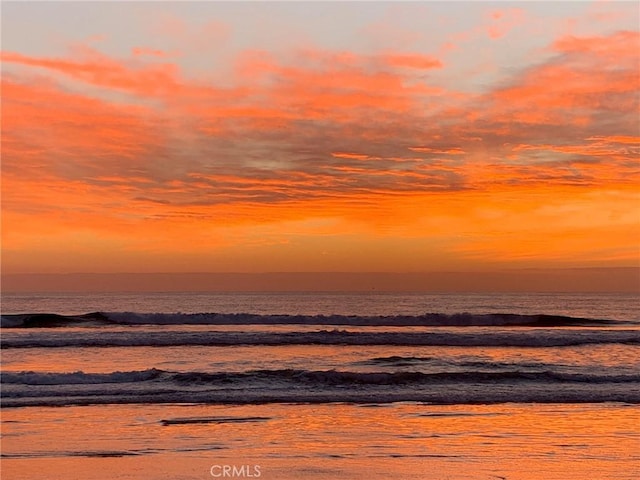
(448, 151)
(347, 155)
(142, 51)
(594, 73)
(106, 72)
(411, 61)
(611, 49)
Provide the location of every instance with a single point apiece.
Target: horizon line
(333, 272)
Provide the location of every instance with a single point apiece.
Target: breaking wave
(43, 320)
(75, 378)
(318, 377)
(295, 385)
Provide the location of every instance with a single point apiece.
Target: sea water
(289, 386)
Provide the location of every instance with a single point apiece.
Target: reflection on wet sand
(326, 441)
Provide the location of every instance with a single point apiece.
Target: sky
(319, 136)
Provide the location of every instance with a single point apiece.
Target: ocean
(320, 386)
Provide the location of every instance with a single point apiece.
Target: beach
(325, 441)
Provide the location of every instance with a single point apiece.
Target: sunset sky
(326, 136)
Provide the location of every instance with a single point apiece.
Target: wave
(346, 378)
(44, 320)
(50, 320)
(323, 377)
(79, 377)
(411, 361)
(541, 337)
(321, 386)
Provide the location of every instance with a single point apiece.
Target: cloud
(61, 132)
(411, 61)
(501, 22)
(587, 76)
(436, 151)
(347, 155)
(622, 46)
(143, 51)
(189, 36)
(103, 71)
(326, 107)
(363, 141)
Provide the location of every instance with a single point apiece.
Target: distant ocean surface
(423, 356)
(608, 306)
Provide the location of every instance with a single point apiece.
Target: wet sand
(323, 442)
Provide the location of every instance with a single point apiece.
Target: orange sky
(402, 155)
